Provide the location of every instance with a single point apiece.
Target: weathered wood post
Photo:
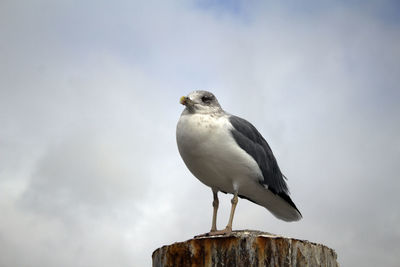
(244, 248)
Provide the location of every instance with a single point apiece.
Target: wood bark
(244, 248)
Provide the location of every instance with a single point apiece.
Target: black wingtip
(287, 198)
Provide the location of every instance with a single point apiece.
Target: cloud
(89, 170)
(85, 173)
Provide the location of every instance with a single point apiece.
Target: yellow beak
(182, 100)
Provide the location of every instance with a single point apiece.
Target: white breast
(212, 155)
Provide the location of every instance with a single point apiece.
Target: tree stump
(244, 248)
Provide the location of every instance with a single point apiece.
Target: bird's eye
(206, 99)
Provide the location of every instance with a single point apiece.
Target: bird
(229, 155)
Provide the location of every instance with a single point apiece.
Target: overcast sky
(90, 174)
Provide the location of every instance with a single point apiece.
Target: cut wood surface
(244, 248)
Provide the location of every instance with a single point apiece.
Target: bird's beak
(184, 100)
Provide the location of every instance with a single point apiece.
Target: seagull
(228, 154)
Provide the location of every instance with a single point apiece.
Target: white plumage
(221, 159)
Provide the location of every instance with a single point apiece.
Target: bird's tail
(280, 205)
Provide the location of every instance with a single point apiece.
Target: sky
(90, 174)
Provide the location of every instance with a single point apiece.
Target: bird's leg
(228, 228)
(215, 206)
(234, 202)
(213, 230)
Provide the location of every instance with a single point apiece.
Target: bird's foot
(226, 231)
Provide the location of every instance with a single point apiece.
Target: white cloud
(89, 170)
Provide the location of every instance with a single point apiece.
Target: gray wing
(251, 141)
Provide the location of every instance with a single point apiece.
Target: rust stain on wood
(244, 248)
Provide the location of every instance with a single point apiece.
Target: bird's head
(201, 102)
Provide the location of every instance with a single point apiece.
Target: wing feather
(251, 141)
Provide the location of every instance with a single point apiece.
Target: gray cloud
(89, 170)
(83, 174)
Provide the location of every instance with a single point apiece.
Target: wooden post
(244, 248)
